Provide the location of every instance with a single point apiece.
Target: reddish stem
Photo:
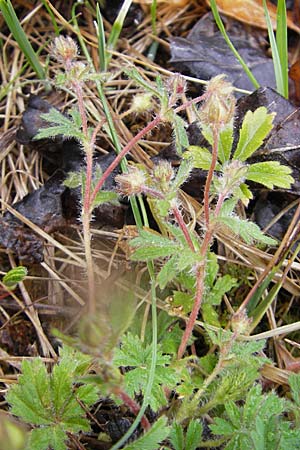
(211, 174)
(184, 229)
(133, 406)
(200, 275)
(124, 152)
(194, 313)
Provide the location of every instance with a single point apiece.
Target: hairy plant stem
(87, 203)
(201, 267)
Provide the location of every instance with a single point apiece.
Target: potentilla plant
(226, 185)
(226, 182)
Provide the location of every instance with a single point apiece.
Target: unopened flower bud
(142, 103)
(132, 182)
(64, 49)
(219, 107)
(176, 86)
(240, 322)
(163, 172)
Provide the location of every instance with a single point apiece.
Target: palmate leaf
(248, 231)
(270, 174)
(134, 353)
(150, 440)
(153, 245)
(255, 128)
(50, 400)
(59, 124)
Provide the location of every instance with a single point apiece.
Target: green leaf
(63, 126)
(222, 427)
(223, 284)
(50, 400)
(181, 137)
(177, 437)
(30, 398)
(152, 245)
(184, 300)
(14, 276)
(151, 440)
(193, 435)
(105, 197)
(294, 382)
(210, 315)
(43, 438)
(255, 128)
(270, 174)
(225, 143)
(201, 157)
(167, 273)
(134, 74)
(183, 173)
(73, 180)
(135, 354)
(249, 231)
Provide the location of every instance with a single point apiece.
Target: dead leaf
(251, 12)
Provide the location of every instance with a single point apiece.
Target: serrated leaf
(133, 353)
(223, 284)
(167, 273)
(14, 276)
(193, 435)
(177, 437)
(222, 427)
(294, 382)
(243, 193)
(62, 126)
(184, 300)
(151, 440)
(183, 173)
(233, 413)
(105, 197)
(152, 245)
(255, 128)
(181, 137)
(248, 231)
(200, 156)
(73, 180)
(270, 174)
(210, 315)
(225, 143)
(29, 399)
(49, 399)
(45, 438)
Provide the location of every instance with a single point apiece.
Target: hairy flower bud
(163, 172)
(64, 49)
(142, 103)
(132, 182)
(240, 323)
(219, 107)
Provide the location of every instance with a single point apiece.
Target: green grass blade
(282, 44)
(275, 54)
(19, 35)
(117, 27)
(230, 44)
(154, 46)
(101, 40)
